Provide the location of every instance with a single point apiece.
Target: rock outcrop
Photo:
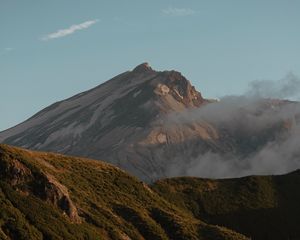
(36, 189)
(29, 180)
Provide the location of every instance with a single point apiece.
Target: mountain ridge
(271, 202)
(77, 198)
(128, 104)
(155, 124)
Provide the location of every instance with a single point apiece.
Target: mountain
(131, 122)
(51, 196)
(260, 207)
(119, 121)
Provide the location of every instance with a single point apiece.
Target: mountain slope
(51, 196)
(130, 121)
(261, 207)
(119, 121)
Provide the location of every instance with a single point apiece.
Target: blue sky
(51, 50)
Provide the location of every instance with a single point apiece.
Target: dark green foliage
(261, 207)
(48, 220)
(172, 227)
(144, 224)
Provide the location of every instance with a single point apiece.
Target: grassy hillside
(51, 196)
(261, 207)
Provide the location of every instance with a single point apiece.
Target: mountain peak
(128, 109)
(144, 67)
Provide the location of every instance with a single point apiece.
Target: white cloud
(67, 31)
(178, 12)
(8, 49)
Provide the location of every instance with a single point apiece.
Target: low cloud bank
(264, 130)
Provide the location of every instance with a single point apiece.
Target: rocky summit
(127, 121)
(119, 121)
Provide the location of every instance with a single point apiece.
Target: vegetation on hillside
(261, 207)
(51, 196)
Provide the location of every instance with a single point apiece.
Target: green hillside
(51, 196)
(261, 207)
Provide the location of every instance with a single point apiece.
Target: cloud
(67, 31)
(178, 12)
(258, 134)
(288, 87)
(8, 49)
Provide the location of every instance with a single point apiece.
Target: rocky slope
(51, 196)
(126, 121)
(119, 121)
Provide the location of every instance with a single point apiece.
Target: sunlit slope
(51, 196)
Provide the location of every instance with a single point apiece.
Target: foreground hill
(261, 207)
(51, 196)
(155, 124)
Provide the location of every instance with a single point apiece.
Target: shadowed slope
(261, 207)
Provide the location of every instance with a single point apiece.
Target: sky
(51, 50)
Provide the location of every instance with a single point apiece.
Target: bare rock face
(142, 68)
(15, 172)
(57, 194)
(40, 184)
(114, 121)
(182, 90)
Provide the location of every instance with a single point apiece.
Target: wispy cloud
(178, 12)
(67, 31)
(8, 49)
